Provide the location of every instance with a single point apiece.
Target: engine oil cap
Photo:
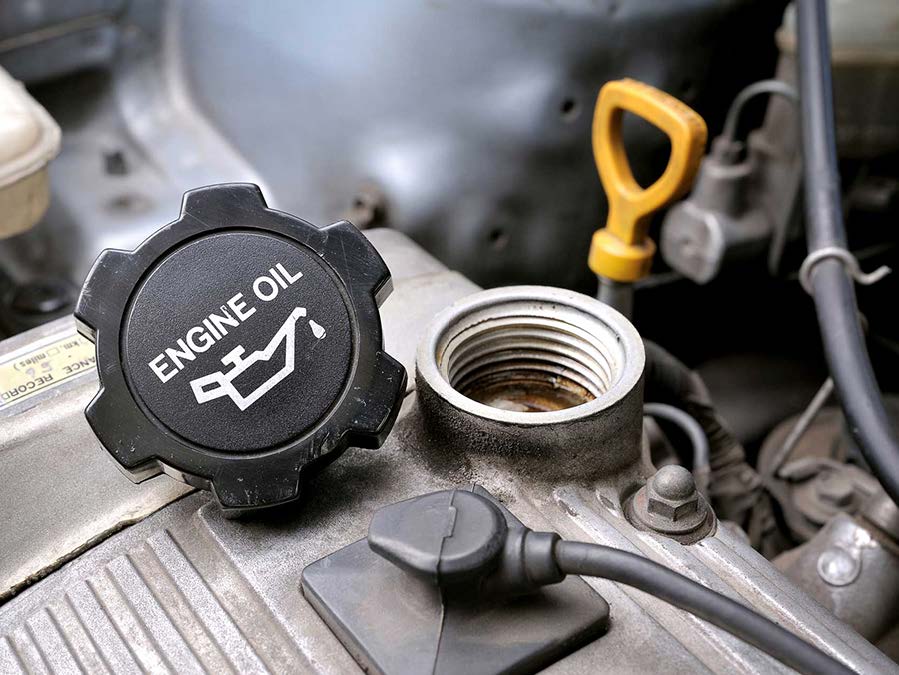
(240, 348)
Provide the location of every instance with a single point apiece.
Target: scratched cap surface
(240, 348)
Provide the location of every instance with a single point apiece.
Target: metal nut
(671, 493)
(670, 504)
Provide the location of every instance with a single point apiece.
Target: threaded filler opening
(530, 356)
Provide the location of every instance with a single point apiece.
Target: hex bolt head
(671, 493)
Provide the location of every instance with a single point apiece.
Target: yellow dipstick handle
(621, 251)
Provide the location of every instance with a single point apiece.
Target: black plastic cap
(239, 348)
(447, 537)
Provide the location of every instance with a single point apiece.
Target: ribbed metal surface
(187, 590)
(153, 609)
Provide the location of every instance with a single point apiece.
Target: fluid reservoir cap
(240, 348)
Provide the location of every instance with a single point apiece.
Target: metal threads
(546, 376)
(530, 356)
(549, 358)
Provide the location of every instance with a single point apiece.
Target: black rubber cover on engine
(239, 348)
(395, 621)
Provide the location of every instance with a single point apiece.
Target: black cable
(694, 433)
(770, 87)
(834, 292)
(633, 570)
(735, 488)
(517, 560)
(688, 425)
(668, 380)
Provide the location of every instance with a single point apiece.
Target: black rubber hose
(734, 486)
(770, 87)
(691, 428)
(834, 292)
(668, 380)
(633, 570)
(694, 433)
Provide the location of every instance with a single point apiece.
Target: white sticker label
(60, 358)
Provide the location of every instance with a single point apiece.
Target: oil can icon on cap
(239, 403)
(225, 381)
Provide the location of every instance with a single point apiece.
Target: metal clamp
(849, 262)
